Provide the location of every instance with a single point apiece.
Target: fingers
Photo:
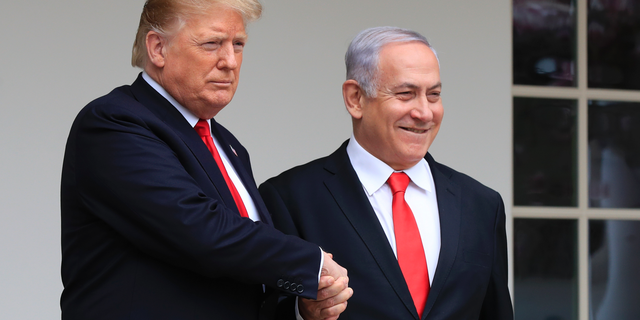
(335, 288)
(333, 293)
(325, 282)
(329, 308)
(329, 313)
(331, 268)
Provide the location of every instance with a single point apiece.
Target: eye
(211, 45)
(405, 95)
(238, 46)
(433, 96)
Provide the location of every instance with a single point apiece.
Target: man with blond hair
(161, 217)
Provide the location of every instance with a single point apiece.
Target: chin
(407, 161)
(417, 151)
(218, 103)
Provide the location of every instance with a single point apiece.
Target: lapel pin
(234, 150)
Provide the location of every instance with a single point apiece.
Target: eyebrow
(242, 36)
(410, 85)
(221, 36)
(435, 86)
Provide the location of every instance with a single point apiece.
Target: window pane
(544, 42)
(544, 137)
(545, 269)
(614, 262)
(614, 154)
(614, 44)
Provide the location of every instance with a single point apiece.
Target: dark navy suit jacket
(324, 202)
(149, 227)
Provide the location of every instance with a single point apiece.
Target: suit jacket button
(286, 285)
(280, 283)
(293, 287)
(300, 288)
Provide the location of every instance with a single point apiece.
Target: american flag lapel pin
(234, 150)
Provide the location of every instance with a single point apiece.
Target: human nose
(227, 57)
(422, 110)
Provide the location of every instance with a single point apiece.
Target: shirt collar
(190, 117)
(373, 173)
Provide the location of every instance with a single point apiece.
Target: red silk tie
(408, 243)
(202, 128)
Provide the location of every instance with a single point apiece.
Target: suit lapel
(449, 200)
(346, 189)
(172, 117)
(242, 170)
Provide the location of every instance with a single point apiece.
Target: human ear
(353, 98)
(156, 44)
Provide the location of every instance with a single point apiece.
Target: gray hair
(363, 54)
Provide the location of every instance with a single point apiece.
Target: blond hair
(166, 17)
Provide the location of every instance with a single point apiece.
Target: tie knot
(398, 181)
(202, 128)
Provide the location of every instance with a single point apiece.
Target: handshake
(333, 293)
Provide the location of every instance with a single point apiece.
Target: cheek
(438, 113)
(239, 60)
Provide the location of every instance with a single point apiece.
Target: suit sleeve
(129, 176)
(497, 303)
(282, 220)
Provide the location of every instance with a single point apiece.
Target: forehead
(408, 61)
(218, 18)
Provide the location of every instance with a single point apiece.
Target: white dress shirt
(231, 171)
(420, 195)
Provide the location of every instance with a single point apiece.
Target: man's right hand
(331, 268)
(333, 293)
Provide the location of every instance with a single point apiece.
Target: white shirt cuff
(298, 316)
(321, 263)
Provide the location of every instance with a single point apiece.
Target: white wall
(57, 56)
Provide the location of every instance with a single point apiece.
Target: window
(576, 159)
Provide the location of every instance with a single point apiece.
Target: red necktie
(408, 243)
(202, 128)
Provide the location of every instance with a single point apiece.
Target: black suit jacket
(149, 227)
(324, 202)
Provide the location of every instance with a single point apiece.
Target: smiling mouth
(414, 130)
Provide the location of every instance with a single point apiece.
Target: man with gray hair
(420, 240)
(161, 217)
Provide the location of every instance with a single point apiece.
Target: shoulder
(120, 101)
(314, 170)
(464, 181)
(117, 114)
(138, 100)
(300, 175)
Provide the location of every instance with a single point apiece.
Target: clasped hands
(333, 293)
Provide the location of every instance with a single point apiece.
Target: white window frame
(582, 213)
